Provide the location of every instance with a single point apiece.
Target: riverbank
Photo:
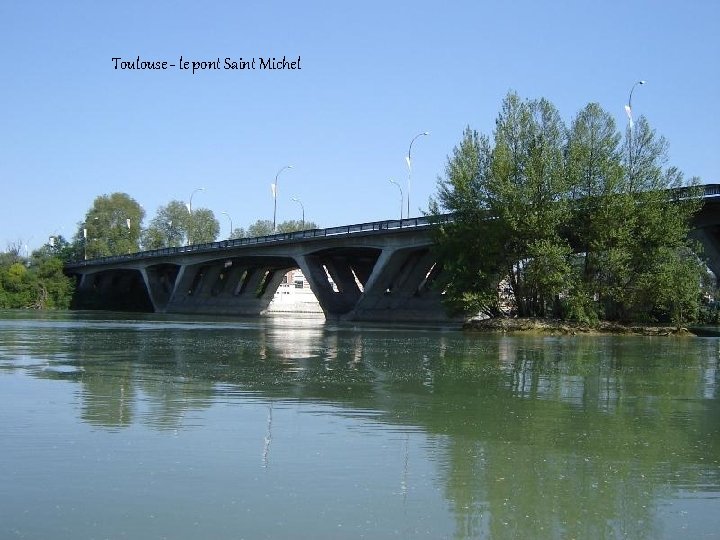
(559, 327)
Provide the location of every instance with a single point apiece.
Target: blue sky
(374, 74)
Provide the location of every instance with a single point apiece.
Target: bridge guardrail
(411, 223)
(710, 191)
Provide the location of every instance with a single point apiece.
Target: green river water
(148, 427)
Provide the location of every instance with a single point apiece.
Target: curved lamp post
(628, 110)
(275, 193)
(401, 196)
(190, 210)
(409, 164)
(191, 196)
(628, 107)
(302, 208)
(231, 228)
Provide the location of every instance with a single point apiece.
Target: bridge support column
(228, 287)
(709, 237)
(160, 281)
(393, 286)
(317, 270)
(399, 289)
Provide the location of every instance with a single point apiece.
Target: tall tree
(262, 227)
(111, 227)
(658, 244)
(468, 246)
(174, 225)
(168, 228)
(577, 224)
(528, 197)
(602, 209)
(203, 227)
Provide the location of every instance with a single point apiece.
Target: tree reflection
(533, 437)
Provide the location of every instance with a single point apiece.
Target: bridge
(371, 271)
(378, 271)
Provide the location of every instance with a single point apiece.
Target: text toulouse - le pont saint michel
(264, 63)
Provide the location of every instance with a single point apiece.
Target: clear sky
(373, 75)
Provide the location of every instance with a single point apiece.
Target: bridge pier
(349, 270)
(400, 289)
(160, 282)
(709, 238)
(224, 286)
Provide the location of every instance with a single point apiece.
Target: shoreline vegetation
(558, 327)
(570, 223)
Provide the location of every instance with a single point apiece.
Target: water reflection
(581, 437)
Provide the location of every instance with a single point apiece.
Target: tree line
(113, 225)
(576, 221)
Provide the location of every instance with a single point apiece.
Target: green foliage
(174, 226)
(577, 224)
(39, 283)
(111, 227)
(58, 247)
(579, 306)
(295, 225)
(168, 228)
(238, 232)
(202, 227)
(470, 245)
(262, 227)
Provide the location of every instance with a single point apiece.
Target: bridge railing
(710, 191)
(388, 225)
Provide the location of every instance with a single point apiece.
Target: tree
(468, 246)
(658, 243)
(238, 232)
(600, 209)
(203, 227)
(111, 227)
(528, 198)
(174, 226)
(168, 228)
(578, 225)
(37, 282)
(262, 227)
(60, 248)
(295, 225)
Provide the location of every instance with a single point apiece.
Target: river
(146, 426)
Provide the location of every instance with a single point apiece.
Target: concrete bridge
(372, 271)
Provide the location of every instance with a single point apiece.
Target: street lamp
(401, 196)
(409, 164)
(231, 227)
(628, 107)
(275, 193)
(189, 207)
(303, 210)
(628, 110)
(191, 196)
